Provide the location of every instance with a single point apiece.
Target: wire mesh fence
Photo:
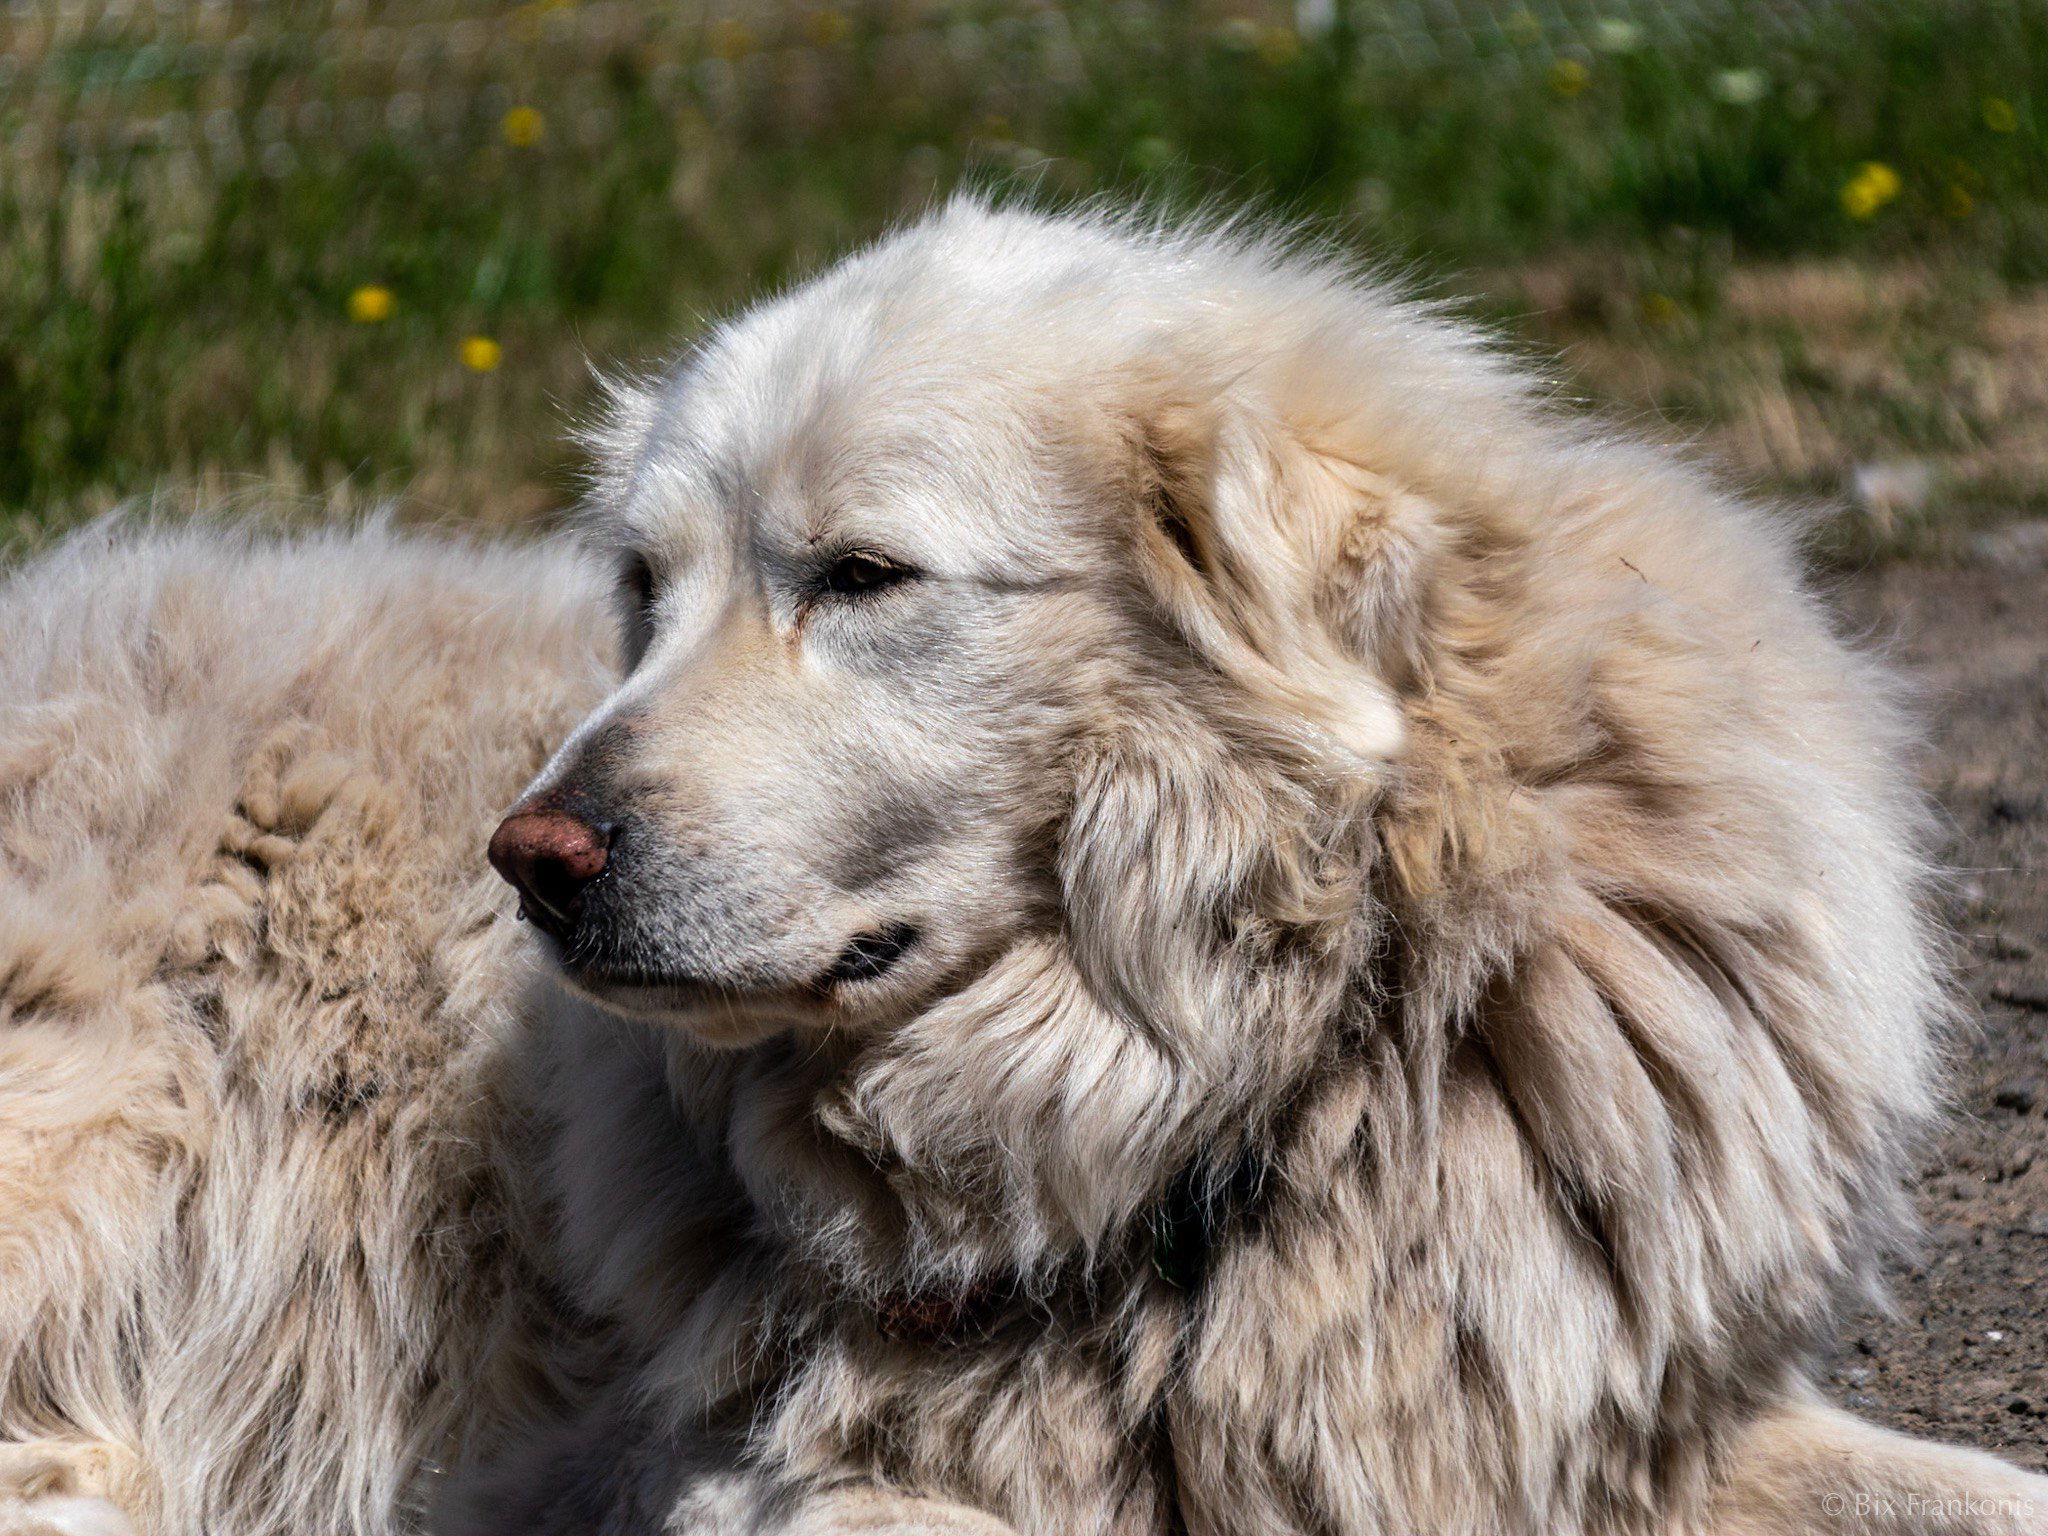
(231, 81)
(324, 238)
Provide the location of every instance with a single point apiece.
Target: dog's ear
(1214, 862)
(1291, 567)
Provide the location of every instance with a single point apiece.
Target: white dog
(1192, 915)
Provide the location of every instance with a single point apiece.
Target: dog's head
(1018, 619)
(995, 586)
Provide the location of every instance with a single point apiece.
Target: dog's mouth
(869, 957)
(660, 992)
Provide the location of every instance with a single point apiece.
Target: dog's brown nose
(549, 856)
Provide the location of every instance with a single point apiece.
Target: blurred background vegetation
(370, 247)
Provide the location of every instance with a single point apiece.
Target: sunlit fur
(1465, 818)
(254, 981)
(1336, 765)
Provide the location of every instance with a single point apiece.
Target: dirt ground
(1964, 1356)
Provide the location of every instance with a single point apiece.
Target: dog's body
(254, 991)
(1192, 916)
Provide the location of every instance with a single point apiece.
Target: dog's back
(252, 973)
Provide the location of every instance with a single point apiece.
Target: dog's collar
(1200, 1205)
(938, 1316)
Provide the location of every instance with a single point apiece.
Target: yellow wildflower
(371, 303)
(480, 354)
(827, 28)
(1873, 185)
(731, 39)
(1278, 45)
(1956, 201)
(523, 127)
(1999, 116)
(1568, 77)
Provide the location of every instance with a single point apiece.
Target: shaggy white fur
(1407, 1010)
(254, 979)
(1323, 761)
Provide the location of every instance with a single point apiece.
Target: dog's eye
(860, 572)
(637, 589)
(636, 581)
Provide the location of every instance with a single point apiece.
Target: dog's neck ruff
(1184, 1228)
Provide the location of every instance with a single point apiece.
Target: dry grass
(1803, 230)
(1907, 399)
(1910, 396)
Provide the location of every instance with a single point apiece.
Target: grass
(1907, 395)
(1811, 235)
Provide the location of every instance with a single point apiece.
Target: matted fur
(253, 985)
(1304, 754)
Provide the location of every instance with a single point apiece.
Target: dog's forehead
(803, 423)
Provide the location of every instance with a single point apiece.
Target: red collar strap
(936, 1316)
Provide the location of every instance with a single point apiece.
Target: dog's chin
(868, 976)
(722, 1017)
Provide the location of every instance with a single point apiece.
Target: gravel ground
(1964, 1354)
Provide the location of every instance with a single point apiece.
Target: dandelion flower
(1741, 87)
(523, 127)
(480, 354)
(1616, 34)
(371, 303)
(1873, 185)
(1999, 116)
(1568, 77)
